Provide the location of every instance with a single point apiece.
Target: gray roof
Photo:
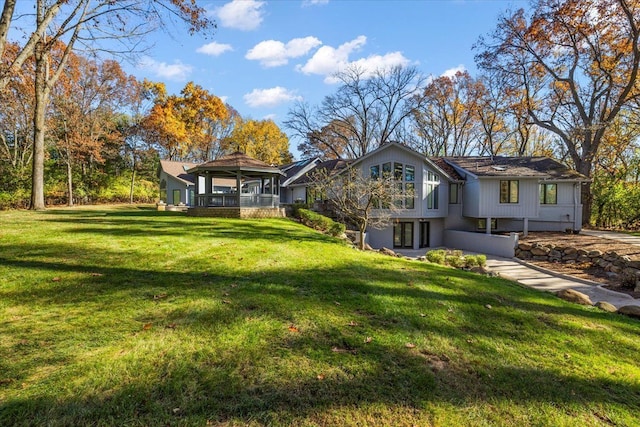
(237, 162)
(498, 166)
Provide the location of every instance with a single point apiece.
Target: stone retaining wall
(615, 265)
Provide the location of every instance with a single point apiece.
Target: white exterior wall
(566, 214)
(490, 206)
(174, 184)
(471, 198)
(384, 237)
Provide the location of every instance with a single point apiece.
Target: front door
(403, 235)
(424, 234)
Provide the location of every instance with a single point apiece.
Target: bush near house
(455, 258)
(320, 222)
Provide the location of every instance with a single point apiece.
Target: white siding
(471, 198)
(490, 206)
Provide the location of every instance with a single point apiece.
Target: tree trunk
(39, 117)
(363, 228)
(133, 180)
(69, 181)
(584, 167)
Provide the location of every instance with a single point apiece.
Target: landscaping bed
(586, 271)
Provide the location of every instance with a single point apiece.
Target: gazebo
(236, 186)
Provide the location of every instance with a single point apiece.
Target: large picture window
(404, 176)
(548, 194)
(509, 191)
(433, 183)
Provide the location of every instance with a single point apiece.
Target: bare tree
(360, 200)
(577, 63)
(365, 112)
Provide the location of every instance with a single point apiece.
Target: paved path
(611, 235)
(544, 280)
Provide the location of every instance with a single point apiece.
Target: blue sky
(267, 54)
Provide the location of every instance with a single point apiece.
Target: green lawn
(125, 316)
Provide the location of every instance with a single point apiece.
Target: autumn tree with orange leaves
(576, 63)
(86, 101)
(189, 126)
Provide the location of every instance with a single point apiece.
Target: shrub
(320, 222)
(436, 256)
(455, 258)
(455, 261)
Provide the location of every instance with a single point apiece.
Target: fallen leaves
(410, 345)
(292, 328)
(147, 326)
(159, 296)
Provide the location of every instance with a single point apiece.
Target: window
(176, 197)
(509, 191)
(404, 176)
(386, 169)
(163, 191)
(433, 183)
(403, 235)
(453, 194)
(482, 224)
(548, 194)
(397, 171)
(375, 171)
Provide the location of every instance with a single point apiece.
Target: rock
(603, 305)
(610, 256)
(572, 256)
(583, 258)
(555, 254)
(574, 296)
(601, 263)
(524, 246)
(615, 269)
(594, 254)
(630, 310)
(387, 251)
(570, 251)
(539, 251)
(582, 252)
(422, 258)
(540, 258)
(367, 247)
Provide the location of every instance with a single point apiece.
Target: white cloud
(214, 49)
(314, 2)
(243, 15)
(273, 53)
(451, 72)
(177, 71)
(327, 61)
(270, 97)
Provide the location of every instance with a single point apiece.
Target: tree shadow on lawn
(385, 301)
(279, 230)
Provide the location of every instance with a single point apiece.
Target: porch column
(525, 231)
(238, 186)
(207, 183)
(488, 231)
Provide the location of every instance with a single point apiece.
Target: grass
(125, 316)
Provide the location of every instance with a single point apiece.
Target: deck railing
(231, 200)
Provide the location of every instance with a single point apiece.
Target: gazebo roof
(236, 162)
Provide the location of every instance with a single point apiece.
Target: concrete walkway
(612, 235)
(545, 280)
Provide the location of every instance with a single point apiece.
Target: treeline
(106, 131)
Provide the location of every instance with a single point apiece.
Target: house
(301, 187)
(176, 185)
(236, 185)
(290, 193)
(472, 203)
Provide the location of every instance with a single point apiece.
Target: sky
(267, 54)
